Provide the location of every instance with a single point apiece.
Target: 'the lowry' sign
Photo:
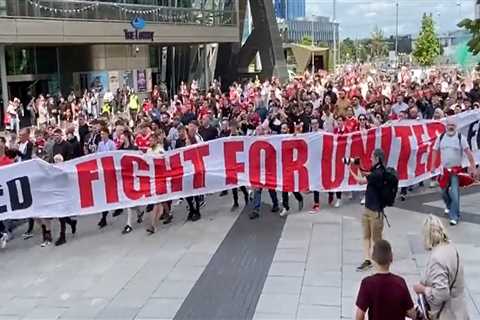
(138, 24)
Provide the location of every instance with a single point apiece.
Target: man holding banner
(452, 147)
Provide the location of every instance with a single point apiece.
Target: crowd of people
(356, 98)
(359, 97)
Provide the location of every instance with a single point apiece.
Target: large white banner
(314, 161)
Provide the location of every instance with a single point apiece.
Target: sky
(358, 18)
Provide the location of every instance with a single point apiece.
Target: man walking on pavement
(452, 147)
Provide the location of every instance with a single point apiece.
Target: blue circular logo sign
(138, 23)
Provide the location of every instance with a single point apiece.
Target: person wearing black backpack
(382, 187)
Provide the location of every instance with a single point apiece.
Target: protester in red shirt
(142, 140)
(4, 160)
(147, 106)
(351, 123)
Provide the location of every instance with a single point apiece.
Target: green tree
(347, 50)
(473, 26)
(427, 46)
(377, 45)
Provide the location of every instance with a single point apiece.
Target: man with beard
(452, 147)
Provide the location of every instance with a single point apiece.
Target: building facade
(49, 46)
(321, 28)
(477, 9)
(290, 9)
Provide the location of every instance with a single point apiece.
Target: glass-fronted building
(48, 46)
(321, 28)
(290, 9)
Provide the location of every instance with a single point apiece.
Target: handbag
(423, 308)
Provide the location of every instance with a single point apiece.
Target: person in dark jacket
(83, 131)
(474, 94)
(372, 219)
(62, 148)
(75, 146)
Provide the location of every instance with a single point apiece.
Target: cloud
(358, 17)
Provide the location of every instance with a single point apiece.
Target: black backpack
(390, 187)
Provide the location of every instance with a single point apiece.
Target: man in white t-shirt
(399, 106)
(452, 147)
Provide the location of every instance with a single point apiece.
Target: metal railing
(96, 10)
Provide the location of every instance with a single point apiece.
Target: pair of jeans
(285, 203)
(451, 197)
(257, 199)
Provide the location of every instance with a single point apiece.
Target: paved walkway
(305, 266)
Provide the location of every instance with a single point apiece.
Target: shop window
(153, 56)
(46, 60)
(20, 60)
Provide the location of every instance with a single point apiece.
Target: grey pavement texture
(240, 265)
(311, 273)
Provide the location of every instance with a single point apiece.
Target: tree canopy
(377, 44)
(473, 26)
(427, 47)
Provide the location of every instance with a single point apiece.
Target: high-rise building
(290, 9)
(477, 9)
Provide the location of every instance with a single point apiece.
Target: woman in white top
(159, 146)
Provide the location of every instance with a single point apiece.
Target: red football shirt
(5, 161)
(142, 142)
(351, 125)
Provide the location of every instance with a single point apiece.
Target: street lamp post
(313, 46)
(396, 34)
(334, 36)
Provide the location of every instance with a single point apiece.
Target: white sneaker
(338, 203)
(453, 222)
(433, 184)
(362, 202)
(3, 240)
(45, 244)
(446, 211)
(284, 212)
